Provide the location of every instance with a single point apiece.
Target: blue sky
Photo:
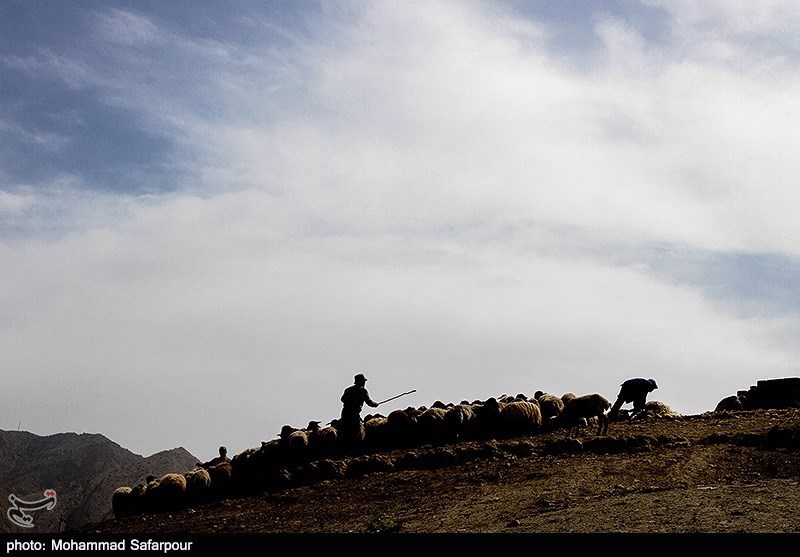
(213, 215)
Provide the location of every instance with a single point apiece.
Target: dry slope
(714, 472)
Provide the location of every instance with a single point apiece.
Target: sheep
(520, 416)
(732, 402)
(221, 475)
(298, 446)
(350, 433)
(401, 427)
(431, 424)
(251, 470)
(550, 405)
(376, 432)
(460, 421)
(243, 467)
(121, 502)
(198, 484)
(585, 406)
(488, 414)
(167, 493)
(150, 494)
(322, 442)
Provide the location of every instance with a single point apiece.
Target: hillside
(720, 472)
(82, 468)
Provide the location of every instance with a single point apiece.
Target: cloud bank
(429, 194)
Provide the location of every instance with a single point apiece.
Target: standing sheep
(221, 475)
(198, 484)
(461, 421)
(550, 405)
(350, 435)
(585, 406)
(168, 493)
(401, 427)
(376, 435)
(322, 442)
(121, 502)
(566, 397)
(489, 417)
(431, 424)
(520, 416)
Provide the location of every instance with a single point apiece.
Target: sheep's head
(491, 407)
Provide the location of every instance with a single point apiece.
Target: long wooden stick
(398, 396)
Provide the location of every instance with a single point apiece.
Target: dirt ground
(711, 473)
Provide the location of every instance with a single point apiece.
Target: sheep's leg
(602, 426)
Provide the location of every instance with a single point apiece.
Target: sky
(213, 215)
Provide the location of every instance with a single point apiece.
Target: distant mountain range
(83, 469)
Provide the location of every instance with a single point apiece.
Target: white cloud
(12, 201)
(127, 28)
(736, 16)
(401, 195)
(50, 141)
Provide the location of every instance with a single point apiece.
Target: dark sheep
(520, 416)
(221, 475)
(167, 493)
(431, 424)
(550, 405)
(585, 406)
(198, 484)
(323, 442)
(376, 433)
(729, 403)
(121, 502)
(401, 427)
(461, 421)
(298, 446)
(350, 435)
(488, 415)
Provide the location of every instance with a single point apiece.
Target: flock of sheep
(271, 464)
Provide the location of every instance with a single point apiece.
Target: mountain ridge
(83, 469)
